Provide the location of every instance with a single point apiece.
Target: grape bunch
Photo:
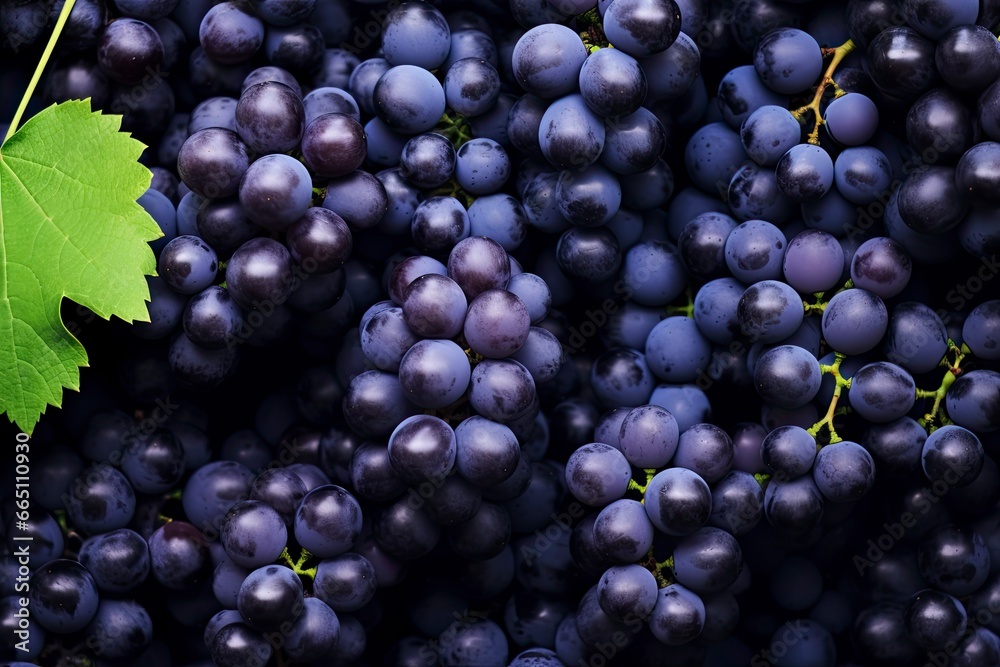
(529, 333)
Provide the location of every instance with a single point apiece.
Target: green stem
(841, 384)
(954, 366)
(46, 55)
(641, 488)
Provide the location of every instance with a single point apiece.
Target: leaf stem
(46, 55)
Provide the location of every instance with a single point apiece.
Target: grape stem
(831, 412)
(952, 361)
(593, 31)
(40, 67)
(687, 310)
(658, 569)
(298, 566)
(641, 488)
(763, 479)
(455, 128)
(838, 54)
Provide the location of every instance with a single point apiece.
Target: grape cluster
(531, 333)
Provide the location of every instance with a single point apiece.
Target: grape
(546, 60)
(678, 501)
(901, 62)
(612, 83)
(917, 339)
(673, 73)
(712, 155)
(188, 264)
(346, 582)
(484, 536)
(972, 400)
(375, 403)
(929, 201)
(314, 633)
(940, 126)
(270, 595)
(328, 521)
(851, 119)
(321, 101)
(642, 28)
(708, 561)
(882, 392)
(788, 60)
(862, 174)
(434, 306)
(769, 132)
(478, 264)
(653, 273)
(591, 197)
(813, 262)
(981, 330)
(434, 373)
(623, 532)
(843, 471)
(754, 193)
(854, 321)
(270, 117)
(415, 33)
(789, 451)
(715, 308)
(954, 561)
(934, 18)
(422, 448)
(967, 57)
(737, 503)
(211, 318)
(597, 474)
(880, 634)
(570, 135)
(626, 591)
(755, 250)
(179, 555)
(952, 454)
(229, 35)
(933, 618)
(702, 245)
(895, 446)
(385, 339)
(153, 462)
(100, 500)
(333, 145)
(471, 86)
(63, 596)
(121, 628)
(805, 172)
(793, 507)
(676, 351)
(770, 311)
(253, 534)
(259, 274)
(592, 255)
(787, 376)
(128, 50)
(741, 92)
(678, 617)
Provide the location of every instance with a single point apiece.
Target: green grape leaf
(69, 227)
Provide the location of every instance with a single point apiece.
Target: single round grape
(546, 60)
(813, 262)
(972, 400)
(188, 264)
(851, 119)
(623, 532)
(597, 474)
(882, 392)
(844, 472)
(434, 373)
(269, 596)
(854, 321)
(770, 311)
(678, 617)
(769, 132)
(788, 60)
(253, 534)
(328, 521)
(789, 451)
(409, 99)
(952, 455)
(678, 501)
(805, 172)
(932, 619)
(787, 376)
(270, 117)
(275, 191)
